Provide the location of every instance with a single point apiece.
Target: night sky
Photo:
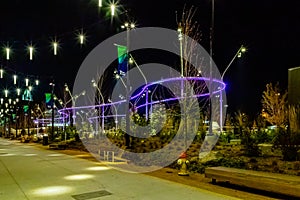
(268, 28)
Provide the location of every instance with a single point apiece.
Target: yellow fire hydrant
(183, 162)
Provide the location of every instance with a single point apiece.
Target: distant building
(294, 85)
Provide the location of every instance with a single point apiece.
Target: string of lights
(80, 33)
(10, 49)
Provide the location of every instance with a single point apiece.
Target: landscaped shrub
(226, 162)
(288, 142)
(296, 165)
(250, 144)
(196, 167)
(262, 136)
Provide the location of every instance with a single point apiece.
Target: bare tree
(274, 104)
(241, 121)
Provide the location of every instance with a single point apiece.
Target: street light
(112, 9)
(132, 61)
(128, 27)
(55, 46)
(73, 98)
(102, 107)
(211, 60)
(238, 54)
(52, 109)
(7, 49)
(116, 113)
(118, 76)
(31, 49)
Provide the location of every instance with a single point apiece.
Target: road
(29, 172)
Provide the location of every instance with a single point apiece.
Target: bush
(226, 162)
(289, 153)
(287, 141)
(250, 144)
(196, 167)
(262, 136)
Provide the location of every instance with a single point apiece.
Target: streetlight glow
(6, 93)
(66, 87)
(7, 49)
(26, 82)
(131, 61)
(112, 9)
(243, 49)
(15, 79)
(37, 82)
(31, 52)
(81, 38)
(55, 45)
(18, 91)
(100, 3)
(1, 73)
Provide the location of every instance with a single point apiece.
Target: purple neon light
(222, 87)
(179, 79)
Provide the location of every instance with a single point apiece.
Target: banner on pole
(122, 59)
(49, 100)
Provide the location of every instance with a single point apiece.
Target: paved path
(29, 172)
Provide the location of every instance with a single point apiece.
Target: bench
(57, 146)
(277, 183)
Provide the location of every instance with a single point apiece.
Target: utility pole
(127, 134)
(183, 74)
(52, 109)
(211, 62)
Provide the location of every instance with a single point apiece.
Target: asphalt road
(29, 172)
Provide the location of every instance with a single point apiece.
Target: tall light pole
(128, 27)
(211, 61)
(182, 87)
(132, 61)
(102, 107)
(239, 53)
(74, 98)
(116, 113)
(52, 110)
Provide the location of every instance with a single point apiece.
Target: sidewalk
(32, 172)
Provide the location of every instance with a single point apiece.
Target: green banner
(122, 58)
(48, 98)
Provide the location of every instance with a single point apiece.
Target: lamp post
(52, 110)
(128, 27)
(151, 97)
(238, 54)
(73, 98)
(131, 61)
(116, 111)
(211, 61)
(102, 107)
(182, 74)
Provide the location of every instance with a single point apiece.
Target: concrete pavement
(31, 173)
